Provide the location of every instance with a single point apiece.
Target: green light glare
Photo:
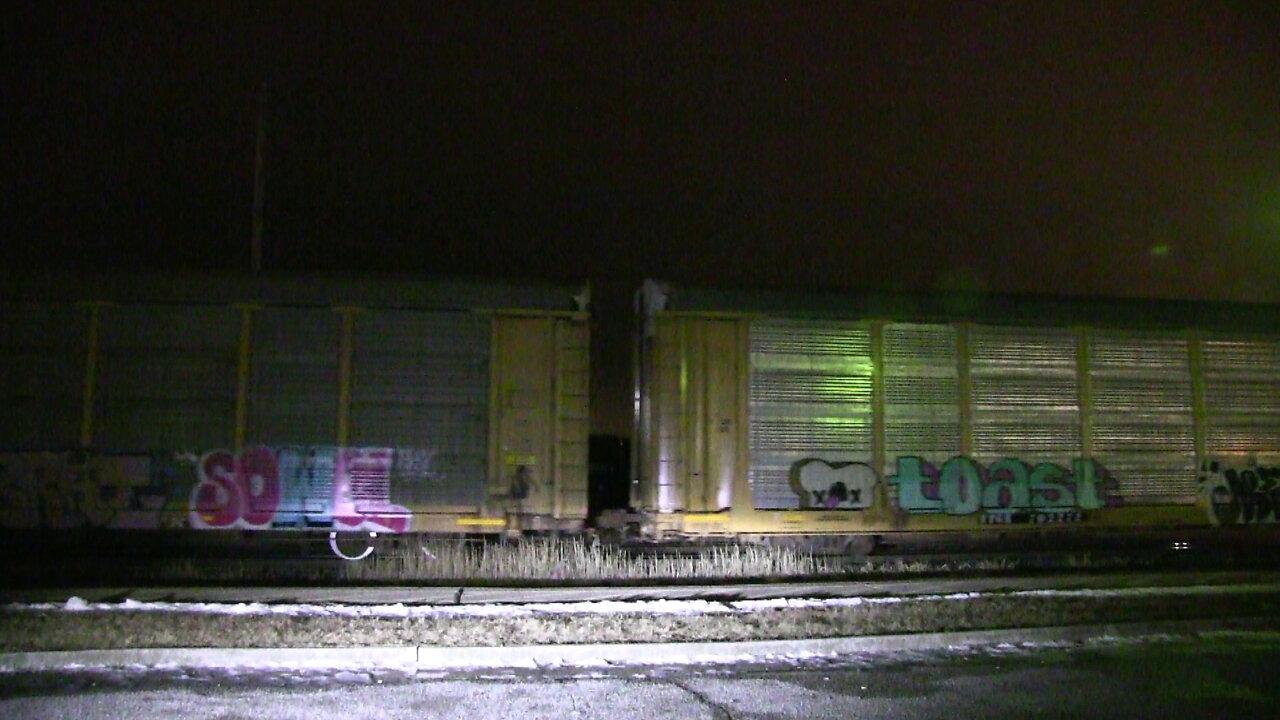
(850, 422)
(1160, 250)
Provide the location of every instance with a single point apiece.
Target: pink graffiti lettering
(362, 492)
(235, 491)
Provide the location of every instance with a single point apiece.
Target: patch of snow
(606, 607)
(1142, 591)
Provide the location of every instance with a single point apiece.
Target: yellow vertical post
(684, 421)
(710, 404)
(879, 459)
(90, 376)
(1199, 411)
(964, 388)
(1085, 385)
(740, 500)
(497, 399)
(242, 374)
(346, 353)
(557, 418)
(878, 450)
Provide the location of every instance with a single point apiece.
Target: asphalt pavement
(429, 658)
(1219, 674)
(580, 655)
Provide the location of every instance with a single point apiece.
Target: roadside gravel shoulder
(23, 629)
(418, 659)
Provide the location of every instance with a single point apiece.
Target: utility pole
(259, 181)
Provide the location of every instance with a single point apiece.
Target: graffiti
(306, 478)
(362, 492)
(1006, 491)
(72, 490)
(236, 490)
(416, 462)
(1240, 495)
(833, 486)
(128, 493)
(341, 488)
(415, 480)
(259, 488)
(1038, 517)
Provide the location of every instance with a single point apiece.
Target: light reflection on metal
(811, 385)
(333, 545)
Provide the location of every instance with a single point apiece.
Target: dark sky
(1123, 148)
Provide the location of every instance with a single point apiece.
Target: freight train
(242, 403)
(200, 403)
(762, 414)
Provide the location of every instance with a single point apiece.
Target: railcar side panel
(1240, 478)
(252, 416)
(539, 410)
(698, 393)
(885, 426)
(42, 358)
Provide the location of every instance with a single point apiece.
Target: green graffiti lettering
(960, 486)
(1006, 485)
(910, 481)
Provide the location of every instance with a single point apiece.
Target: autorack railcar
(241, 402)
(772, 414)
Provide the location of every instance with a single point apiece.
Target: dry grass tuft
(558, 560)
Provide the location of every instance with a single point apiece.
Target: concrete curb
(535, 656)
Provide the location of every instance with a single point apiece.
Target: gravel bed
(23, 630)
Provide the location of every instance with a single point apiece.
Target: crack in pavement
(718, 710)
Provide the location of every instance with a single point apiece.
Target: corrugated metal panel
(1155, 393)
(921, 389)
(167, 377)
(420, 384)
(812, 341)
(1141, 414)
(1022, 349)
(1025, 393)
(1031, 439)
(1146, 479)
(810, 436)
(1241, 375)
(1242, 435)
(42, 359)
(785, 389)
(810, 397)
(293, 387)
(997, 392)
(1142, 434)
(1242, 394)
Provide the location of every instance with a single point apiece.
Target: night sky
(1120, 149)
